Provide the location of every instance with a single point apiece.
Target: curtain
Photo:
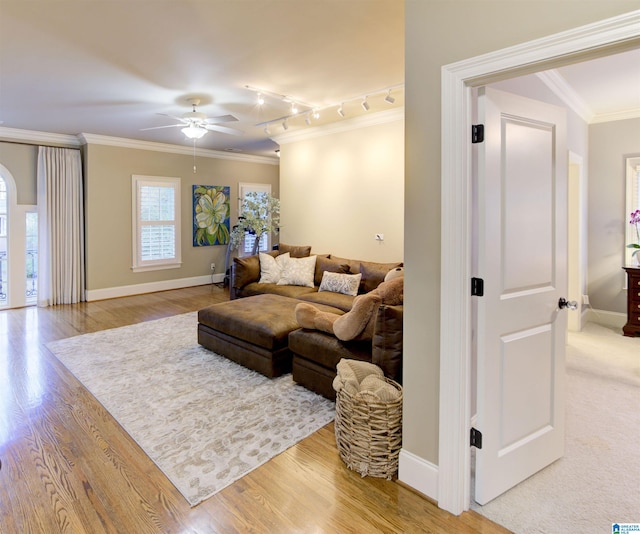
(61, 272)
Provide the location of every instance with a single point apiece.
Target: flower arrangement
(635, 220)
(260, 214)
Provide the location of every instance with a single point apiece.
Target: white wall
(342, 184)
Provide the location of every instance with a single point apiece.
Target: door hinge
(476, 438)
(477, 287)
(477, 133)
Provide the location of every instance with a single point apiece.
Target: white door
(522, 258)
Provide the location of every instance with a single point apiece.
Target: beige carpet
(597, 482)
(204, 420)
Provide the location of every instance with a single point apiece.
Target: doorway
(599, 39)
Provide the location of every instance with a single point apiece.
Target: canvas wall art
(211, 211)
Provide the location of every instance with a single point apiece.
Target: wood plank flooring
(68, 467)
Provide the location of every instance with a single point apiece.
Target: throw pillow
(298, 272)
(373, 274)
(271, 268)
(347, 284)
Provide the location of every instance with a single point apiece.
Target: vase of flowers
(635, 221)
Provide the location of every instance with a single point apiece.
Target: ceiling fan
(195, 124)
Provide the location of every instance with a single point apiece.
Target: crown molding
(41, 138)
(94, 139)
(561, 88)
(362, 121)
(616, 116)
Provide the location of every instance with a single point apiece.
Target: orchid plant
(635, 220)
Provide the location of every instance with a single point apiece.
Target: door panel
(522, 258)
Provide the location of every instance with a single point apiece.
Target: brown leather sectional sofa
(315, 353)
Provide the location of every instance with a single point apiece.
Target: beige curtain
(61, 273)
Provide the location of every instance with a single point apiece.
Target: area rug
(204, 420)
(596, 483)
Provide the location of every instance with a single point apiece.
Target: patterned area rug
(204, 420)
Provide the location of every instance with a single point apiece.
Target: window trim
(139, 265)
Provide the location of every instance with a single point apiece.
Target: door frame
(458, 80)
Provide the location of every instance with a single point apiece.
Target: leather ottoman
(251, 331)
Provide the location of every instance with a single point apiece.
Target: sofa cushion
(271, 268)
(326, 350)
(328, 298)
(296, 251)
(373, 274)
(296, 292)
(387, 341)
(298, 272)
(347, 284)
(324, 263)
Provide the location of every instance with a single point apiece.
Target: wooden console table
(632, 328)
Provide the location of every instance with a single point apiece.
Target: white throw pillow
(298, 272)
(271, 268)
(347, 284)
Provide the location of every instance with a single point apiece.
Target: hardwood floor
(67, 466)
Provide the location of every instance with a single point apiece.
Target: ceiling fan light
(194, 132)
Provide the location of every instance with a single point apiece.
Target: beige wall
(609, 143)
(108, 209)
(439, 32)
(21, 161)
(338, 189)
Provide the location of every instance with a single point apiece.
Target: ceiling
(112, 67)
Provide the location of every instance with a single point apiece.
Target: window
(633, 203)
(31, 260)
(248, 243)
(156, 218)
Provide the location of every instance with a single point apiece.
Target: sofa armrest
(386, 348)
(243, 271)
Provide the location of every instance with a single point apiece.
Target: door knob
(564, 303)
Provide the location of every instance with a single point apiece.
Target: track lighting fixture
(260, 99)
(389, 99)
(311, 113)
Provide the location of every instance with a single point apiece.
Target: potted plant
(260, 214)
(635, 220)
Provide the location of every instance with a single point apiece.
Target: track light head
(341, 111)
(285, 126)
(365, 104)
(260, 99)
(266, 130)
(294, 108)
(307, 119)
(389, 99)
(316, 114)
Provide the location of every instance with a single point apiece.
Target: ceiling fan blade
(223, 129)
(221, 118)
(159, 127)
(181, 119)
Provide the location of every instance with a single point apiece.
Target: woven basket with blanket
(368, 422)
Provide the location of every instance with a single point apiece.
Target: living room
(403, 158)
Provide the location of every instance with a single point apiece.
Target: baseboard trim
(606, 318)
(151, 287)
(418, 473)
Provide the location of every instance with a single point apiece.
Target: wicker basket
(369, 433)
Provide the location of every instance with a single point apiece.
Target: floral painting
(211, 210)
